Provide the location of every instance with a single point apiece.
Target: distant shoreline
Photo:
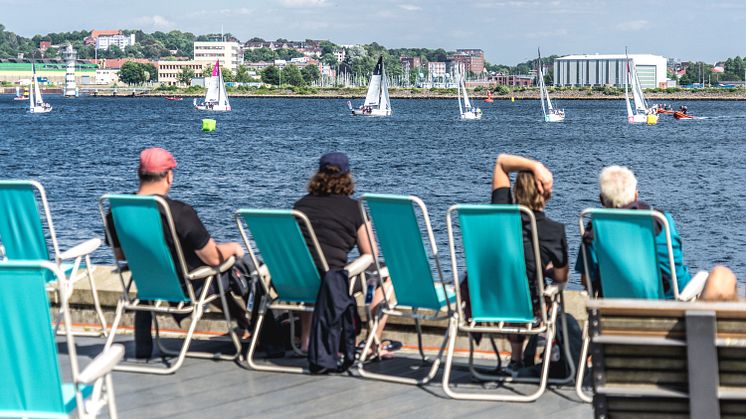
(357, 94)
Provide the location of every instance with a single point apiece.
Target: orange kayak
(682, 115)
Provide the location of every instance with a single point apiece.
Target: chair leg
(115, 324)
(94, 294)
(110, 398)
(418, 326)
(255, 338)
(582, 366)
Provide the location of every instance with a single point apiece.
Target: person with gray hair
(618, 189)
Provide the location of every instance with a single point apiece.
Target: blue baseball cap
(337, 159)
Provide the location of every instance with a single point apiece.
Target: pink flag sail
(216, 68)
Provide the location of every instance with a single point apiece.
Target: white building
(122, 41)
(608, 69)
(230, 54)
(107, 76)
(169, 71)
(436, 69)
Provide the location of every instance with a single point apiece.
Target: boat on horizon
(377, 102)
(36, 102)
(551, 114)
(216, 98)
(641, 113)
(466, 110)
(21, 95)
(174, 98)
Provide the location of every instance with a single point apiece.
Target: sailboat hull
(553, 117)
(215, 108)
(639, 119)
(471, 116)
(40, 109)
(372, 112)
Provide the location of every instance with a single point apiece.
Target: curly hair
(526, 193)
(330, 182)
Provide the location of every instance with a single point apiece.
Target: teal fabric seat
(31, 380)
(291, 279)
(624, 242)
(407, 246)
(492, 243)
(142, 223)
(24, 213)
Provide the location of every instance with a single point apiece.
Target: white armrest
(551, 290)
(358, 265)
(82, 249)
(205, 271)
(102, 364)
(694, 287)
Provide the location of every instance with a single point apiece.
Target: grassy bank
(501, 93)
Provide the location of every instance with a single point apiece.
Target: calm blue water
(264, 151)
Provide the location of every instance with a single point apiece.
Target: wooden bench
(655, 359)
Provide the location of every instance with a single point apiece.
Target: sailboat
(21, 95)
(216, 98)
(467, 111)
(641, 113)
(36, 103)
(377, 101)
(551, 114)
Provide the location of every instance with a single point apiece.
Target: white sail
(38, 101)
(216, 97)
(384, 102)
(467, 104)
(377, 101)
(630, 114)
(550, 113)
(374, 91)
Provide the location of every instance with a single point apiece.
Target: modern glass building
(608, 70)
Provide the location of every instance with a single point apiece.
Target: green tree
(186, 76)
(152, 72)
(291, 75)
(259, 54)
(207, 71)
(132, 73)
(242, 74)
(227, 74)
(311, 74)
(271, 75)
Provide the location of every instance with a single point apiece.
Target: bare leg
(378, 299)
(516, 347)
(720, 285)
(305, 330)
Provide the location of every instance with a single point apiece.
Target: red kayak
(682, 115)
(173, 98)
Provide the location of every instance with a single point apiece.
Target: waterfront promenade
(203, 388)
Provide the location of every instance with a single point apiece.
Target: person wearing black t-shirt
(533, 188)
(338, 223)
(156, 178)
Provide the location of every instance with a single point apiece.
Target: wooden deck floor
(221, 390)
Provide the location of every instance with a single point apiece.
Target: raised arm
(506, 164)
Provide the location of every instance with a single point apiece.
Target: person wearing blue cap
(338, 223)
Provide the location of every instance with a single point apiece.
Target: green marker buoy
(208, 125)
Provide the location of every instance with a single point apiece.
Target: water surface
(264, 151)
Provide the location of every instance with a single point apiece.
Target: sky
(509, 31)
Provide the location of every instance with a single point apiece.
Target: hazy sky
(508, 31)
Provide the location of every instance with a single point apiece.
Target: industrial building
(609, 70)
(48, 70)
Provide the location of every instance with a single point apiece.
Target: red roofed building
(91, 40)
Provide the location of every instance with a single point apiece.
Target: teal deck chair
(161, 289)
(500, 298)
(415, 271)
(23, 212)
(31, 380)
(289, 275)
(624, 241)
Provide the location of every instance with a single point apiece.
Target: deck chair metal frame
(418, 306)
(37, 389)
(301, 269)
(498, 323)
(36, 246)
(653, 216)
(171, 299)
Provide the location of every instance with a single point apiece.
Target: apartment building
(230, 54)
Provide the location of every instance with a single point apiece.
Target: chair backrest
(492, 238)
(624, 242)
(399, 236)
(283, 249)
(30, 379)
(21, 228)
(138, 223)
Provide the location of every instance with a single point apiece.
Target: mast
(541, 85)
(458, 93)
(31, 94)
(626, 83)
